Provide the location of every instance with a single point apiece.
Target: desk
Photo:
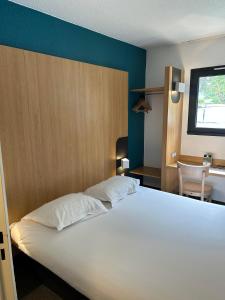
(147, 171)
(150, 172)
(214, 171)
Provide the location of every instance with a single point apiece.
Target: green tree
(211, 90)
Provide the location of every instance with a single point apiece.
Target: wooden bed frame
(43, 276)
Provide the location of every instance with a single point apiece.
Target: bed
(152, 245)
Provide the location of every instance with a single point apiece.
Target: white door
(7, 280)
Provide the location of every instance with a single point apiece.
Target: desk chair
(194, 188)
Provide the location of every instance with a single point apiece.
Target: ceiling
(140, 22)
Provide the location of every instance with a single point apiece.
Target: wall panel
(59, 123)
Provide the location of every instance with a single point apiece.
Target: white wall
(195, 54)
(153, 132)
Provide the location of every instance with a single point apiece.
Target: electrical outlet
(173, 154)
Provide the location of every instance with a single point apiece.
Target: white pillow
(114, 189)
(66, 210)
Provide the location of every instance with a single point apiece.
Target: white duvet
(151, 246)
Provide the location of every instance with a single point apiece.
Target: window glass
(211, 102)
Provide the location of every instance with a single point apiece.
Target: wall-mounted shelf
(150, 91)
(147, 171)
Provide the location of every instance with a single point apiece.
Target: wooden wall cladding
(59, 123)
(172, 124)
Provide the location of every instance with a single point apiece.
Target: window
(207, 101)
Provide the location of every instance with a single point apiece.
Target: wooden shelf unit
(150, 91)
(147, 171)
(171, 130)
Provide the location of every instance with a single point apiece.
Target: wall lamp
(125, 163)
(178, 88)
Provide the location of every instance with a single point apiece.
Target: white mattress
(153, 245)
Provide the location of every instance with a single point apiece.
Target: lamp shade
(125, 163)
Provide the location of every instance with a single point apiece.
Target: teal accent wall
(28, 29)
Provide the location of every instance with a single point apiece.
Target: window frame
(193, 101)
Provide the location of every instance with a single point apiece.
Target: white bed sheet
(152, 246)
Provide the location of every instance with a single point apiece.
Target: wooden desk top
(147, 171)
(213, 171)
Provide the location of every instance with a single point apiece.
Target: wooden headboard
(59, 123)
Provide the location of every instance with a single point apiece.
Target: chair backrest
(193, 170)
(196, 171)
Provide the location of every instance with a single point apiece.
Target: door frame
(8, 285)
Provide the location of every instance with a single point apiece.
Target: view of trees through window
(211, 102)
